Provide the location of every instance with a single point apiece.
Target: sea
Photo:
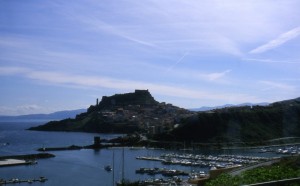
(83, 167)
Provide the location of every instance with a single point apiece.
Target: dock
(17, 180)
(14, 162)
(26, 159)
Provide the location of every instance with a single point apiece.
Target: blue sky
(62, 55)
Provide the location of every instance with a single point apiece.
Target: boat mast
(123, 164)
(113, 167)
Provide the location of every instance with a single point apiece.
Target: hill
(241, 124)
(122, 113)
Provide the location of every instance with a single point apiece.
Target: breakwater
(75, 147)
(28, 156)
(26, 159)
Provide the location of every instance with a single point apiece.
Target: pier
(26, 159)
(14, 162)
(17, 180)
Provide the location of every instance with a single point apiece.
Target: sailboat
(122, 181)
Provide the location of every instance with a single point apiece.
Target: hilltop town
(124, 113)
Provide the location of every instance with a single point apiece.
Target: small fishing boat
(108, 168)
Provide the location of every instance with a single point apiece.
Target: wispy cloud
(21, 109)
(93, 21)
(270, 85)
(63, 79)
(273, 61)
(103, 26)
(216, 75)
(283, 38)
(12, 70)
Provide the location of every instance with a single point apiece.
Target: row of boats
(160, 181)
(162, 171)
(292, 150)
(176, 180)
(17, 180)
(220, 161)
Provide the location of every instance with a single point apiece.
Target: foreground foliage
(287, 168)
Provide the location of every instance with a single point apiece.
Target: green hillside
(241, 124)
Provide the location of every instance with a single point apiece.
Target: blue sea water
(77, 167)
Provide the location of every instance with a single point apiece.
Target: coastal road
(242, 169)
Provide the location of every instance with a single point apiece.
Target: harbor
(87, 166)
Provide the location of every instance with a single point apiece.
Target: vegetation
(128, 183)
(255, 124)
(287, 168)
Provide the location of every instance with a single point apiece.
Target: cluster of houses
(152, 118)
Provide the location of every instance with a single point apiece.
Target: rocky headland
(138, 112)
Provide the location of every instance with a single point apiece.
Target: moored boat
(108, 168)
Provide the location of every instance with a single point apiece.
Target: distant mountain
(204, 108)
(53, 116)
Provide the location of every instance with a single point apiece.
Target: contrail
(178, 61)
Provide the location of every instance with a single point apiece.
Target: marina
(162, 171)
(87, 166)
(219, 161)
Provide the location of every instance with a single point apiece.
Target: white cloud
(283, 38)
(217, 75)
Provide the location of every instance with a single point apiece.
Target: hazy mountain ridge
(52, 116)
(205, 108)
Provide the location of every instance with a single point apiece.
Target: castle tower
(97, 141)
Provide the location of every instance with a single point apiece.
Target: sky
(62, 55)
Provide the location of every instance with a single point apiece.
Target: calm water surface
(78, 167)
